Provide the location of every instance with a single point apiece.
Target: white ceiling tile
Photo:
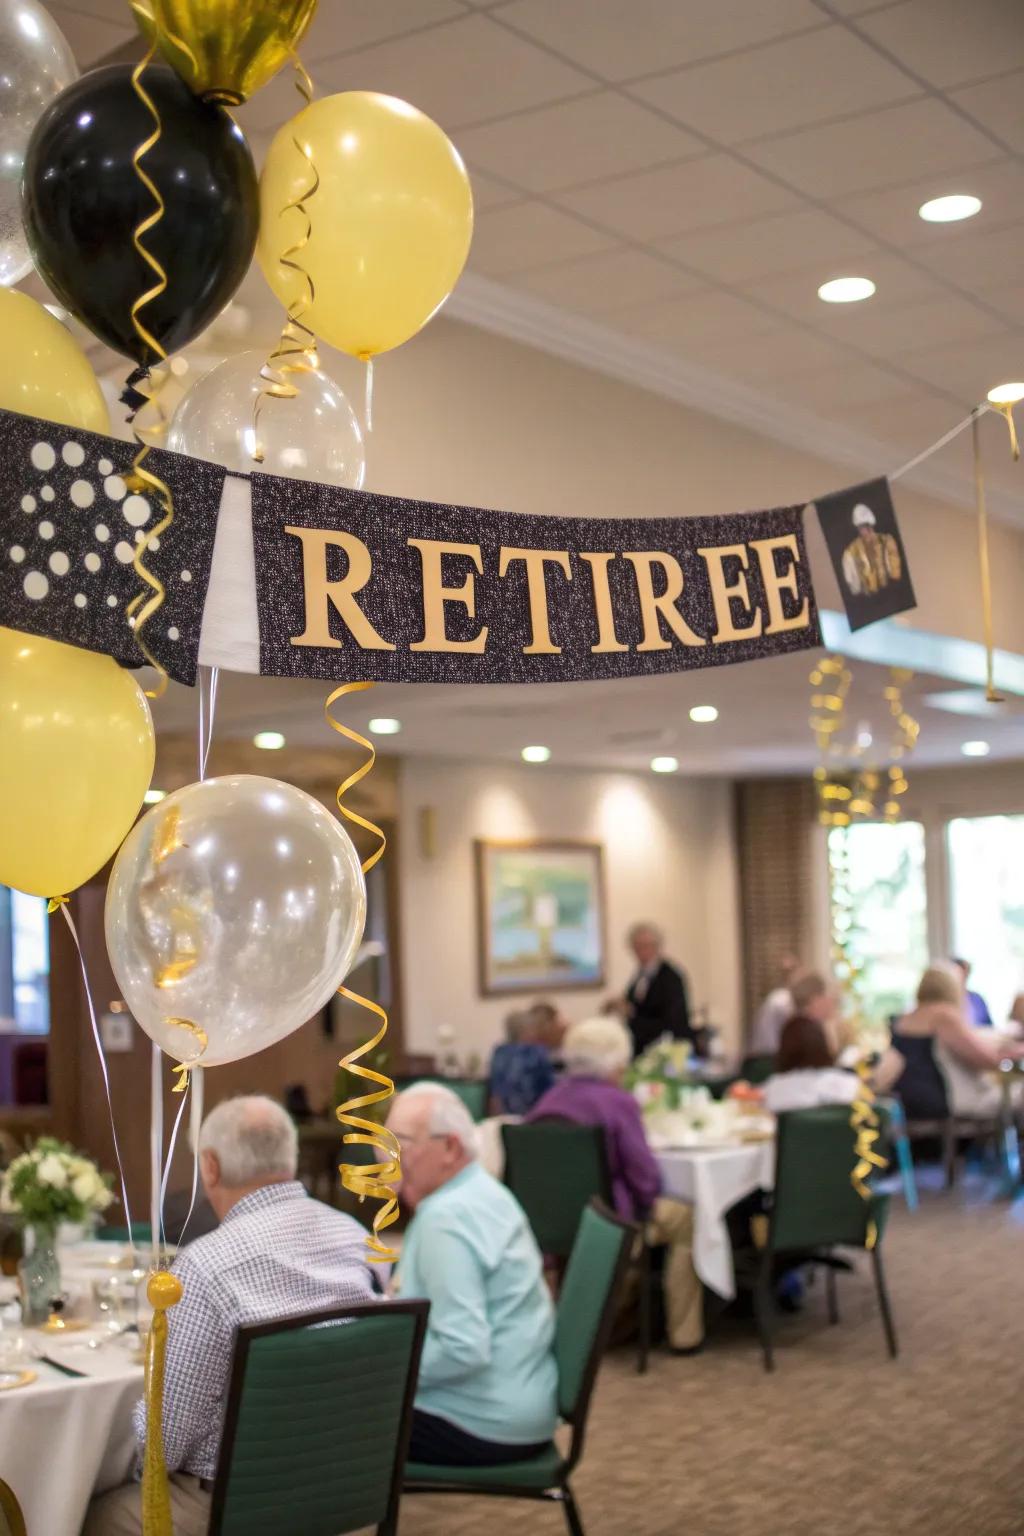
(950, 42)
(910, 424)
(583, 140)
(805, 79)
(833, 391)
(490, 194)
(741, 252)
(93, 36)
(999, 105)
(1009, 299)
(976, 258)
(653, 205)
(890, 331)
(858, 7)
(609, 281)
(528, 235)
(705, 314)
(796, 293)
(969, 370)
(464, 71)
(877, 149)
(620, 39)
(764, 357)
(892, 213)
(340, 28)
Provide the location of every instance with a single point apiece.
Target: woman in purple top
(597, 1053)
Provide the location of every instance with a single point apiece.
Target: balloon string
(141, 608)
(376, 1180)
(206, 715)
(295, 352)
(62, 903)
(368, 409)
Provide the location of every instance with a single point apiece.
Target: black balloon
(83, 200)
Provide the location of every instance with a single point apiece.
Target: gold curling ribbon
(375, 1180)
(295, 352)
(163, 1291)
(991, 694)
(864, 1122)
(141, 608)
(1007, 412)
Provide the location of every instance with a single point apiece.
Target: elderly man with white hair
(276, 1253)
(487, 1383)
(656, 1001)
(597, 1053)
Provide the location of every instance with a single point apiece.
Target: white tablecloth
(63, 1438)
(712, 1179)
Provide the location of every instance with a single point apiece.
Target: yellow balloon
(77, 759)
(43, 370)
(392, 219)
(225, 50)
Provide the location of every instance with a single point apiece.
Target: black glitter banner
(68, 530)
(358, 586)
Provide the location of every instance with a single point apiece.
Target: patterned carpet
(839, 1439)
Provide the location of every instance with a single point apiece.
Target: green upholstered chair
(757, 1069)
(316, 1429)
(555, 1168)
(471, 1090)
(142, 1230)
(12, 1521)
(586, 1311)
(816, 1210)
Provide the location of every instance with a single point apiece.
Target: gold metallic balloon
(225, 50)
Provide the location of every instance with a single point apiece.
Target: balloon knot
(56, 902)
(131, 396)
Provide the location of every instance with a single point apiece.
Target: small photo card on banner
(867, 553)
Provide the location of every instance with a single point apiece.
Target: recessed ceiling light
(946, 210)
(154, 796)
(703, 714)
(846, 290)
(268, 741)
(975, 749)
(384, 726)
(1006, 394)
(664, 764)
(535, 754)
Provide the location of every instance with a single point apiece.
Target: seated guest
(977, 1008)
(277, 1252)
(805, 1072)
(965, 1055)
(597, 1053)
(551, 1024)
(488, 1382)
(656, 1001)
(774, 1011)
(521, 1068)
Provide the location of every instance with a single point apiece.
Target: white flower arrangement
(52, 1183)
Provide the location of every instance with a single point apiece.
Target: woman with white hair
(597, 1053)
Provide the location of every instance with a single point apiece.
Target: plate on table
(10, 1381)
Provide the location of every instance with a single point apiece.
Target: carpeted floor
(839, 1439)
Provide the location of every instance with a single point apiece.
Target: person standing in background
(777, 1008)
(656, 1001)
(977, 1008)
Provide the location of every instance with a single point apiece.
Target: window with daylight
(879, 867)
(24, 998)
(986, 879)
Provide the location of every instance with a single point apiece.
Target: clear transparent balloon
(234, 911)
(314, 436)
(36, 63)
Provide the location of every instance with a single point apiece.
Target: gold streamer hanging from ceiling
(992, 695)
(142, 608)
(374, 1180)
(295, 352)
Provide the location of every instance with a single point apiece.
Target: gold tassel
(163, 1291)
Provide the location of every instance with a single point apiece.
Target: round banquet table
(712, 1179)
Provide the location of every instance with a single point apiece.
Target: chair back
(555, 1168)
(586, 1310)
(757, 1069)
(921, 1086)
(141, 1232)
(12, 1521)
(316, 1430)
(815, 1203)
(471, 1090)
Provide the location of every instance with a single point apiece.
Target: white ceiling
(687, 174)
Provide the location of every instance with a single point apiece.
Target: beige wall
(669, 857)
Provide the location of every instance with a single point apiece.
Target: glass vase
(39, 1273)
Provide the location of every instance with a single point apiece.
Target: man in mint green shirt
(487, 1383)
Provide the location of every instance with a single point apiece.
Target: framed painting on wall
(540, 916)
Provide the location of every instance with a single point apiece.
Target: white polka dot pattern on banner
(102, 532)
(136, 511)
(47, 493)
(115, 487)
(186, 575)
(80, 599)
(17, 554)
(124, 552)
(28, 503)
(36, 586)
(43, 457)
(92, 562)
(73, 454)
(82, 494)
(111, 601)
(46, 530)
(59, 563)
(173, 633)
(104, 466)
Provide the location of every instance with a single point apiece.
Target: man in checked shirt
(276, 1252)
